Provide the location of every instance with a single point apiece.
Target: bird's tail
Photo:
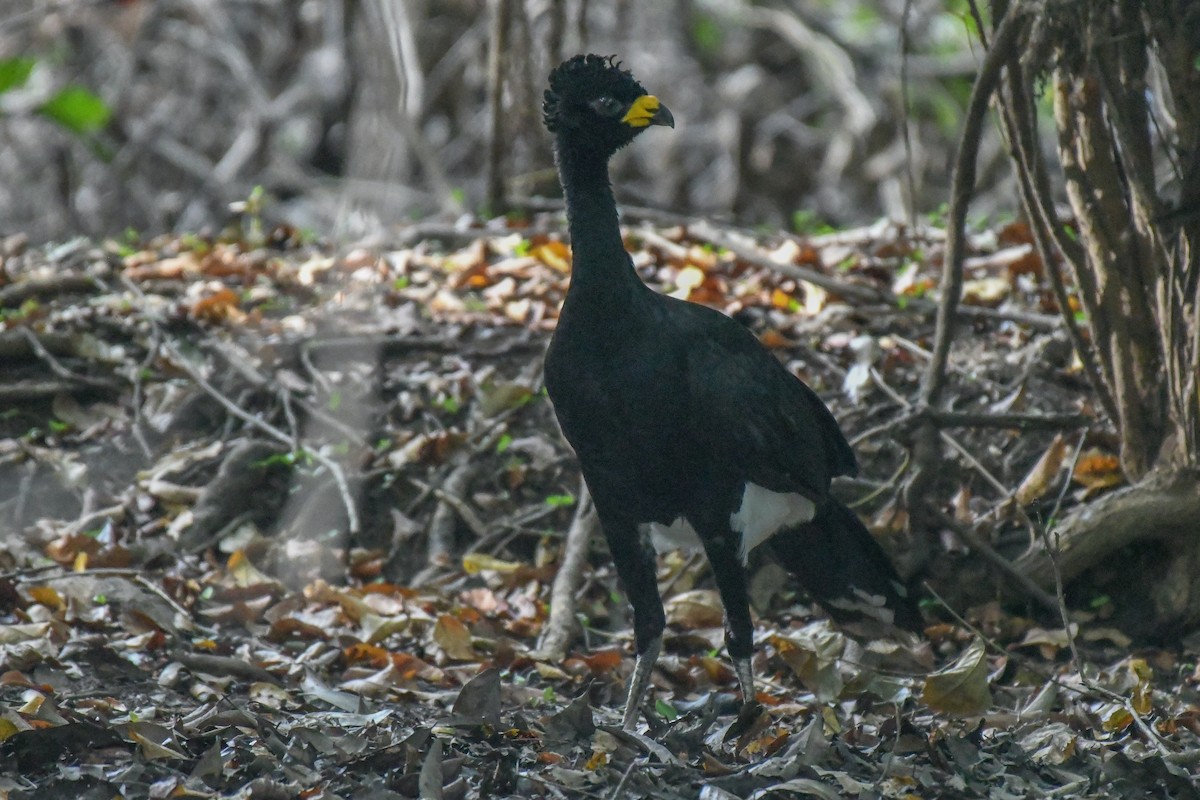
(841, 565)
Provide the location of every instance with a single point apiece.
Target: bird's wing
(755, 417)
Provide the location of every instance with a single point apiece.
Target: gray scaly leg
(639, 682)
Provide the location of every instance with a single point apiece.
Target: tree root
(1163, 509)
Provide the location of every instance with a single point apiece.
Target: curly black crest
(580, 80)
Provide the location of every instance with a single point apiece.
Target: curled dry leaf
(1041, 477)
(962, 687)
(699, 608)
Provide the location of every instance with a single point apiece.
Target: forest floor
(282, 520)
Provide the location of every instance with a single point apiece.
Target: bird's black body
(674, 409)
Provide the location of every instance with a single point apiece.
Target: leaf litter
(283, 521)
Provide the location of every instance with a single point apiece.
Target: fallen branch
(562, 625)
(65, 283)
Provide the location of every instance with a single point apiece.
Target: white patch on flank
(764, 512)
(760, 515)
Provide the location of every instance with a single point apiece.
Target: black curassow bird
(688, 431)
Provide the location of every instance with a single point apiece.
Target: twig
(693, 559)
(86, 519)
(910, 178)
(1005, 42)
(963, 183)
(562, 625)
(449, 491)
(141, 580)
(947, 438)
(139, 392)
(240, 361)
(983, 637)
(620, 787)
(13, 296)
(1025, 422)
(1067, 483)
(339, 477)
(58, 369)
(24, 391)
(977, 543)
(460, 506)
(498, 42)
(893, 480)
(1038, 203)
(398, 33)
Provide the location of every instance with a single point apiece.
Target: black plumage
(687, 429)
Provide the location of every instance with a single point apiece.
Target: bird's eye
(606, 106)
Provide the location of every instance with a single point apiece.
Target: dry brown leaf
(1044, 472)
(1097, 470)
(773, 339)
(454, 638)
(1054, 744)
(474, 563)
(1116, 718)
(1028, 263)
(369, 654)
(1048, 642)
(813, 654)
(221, 305)
(553, 254)
(961, 503)
(699, 608)
(962, 687)
(1014, 233)
(989, 292)
(47, 596)
(603, 661)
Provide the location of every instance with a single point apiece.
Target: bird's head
(599, 107)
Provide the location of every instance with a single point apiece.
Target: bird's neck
(599, 260)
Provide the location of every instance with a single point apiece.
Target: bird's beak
(646, 110)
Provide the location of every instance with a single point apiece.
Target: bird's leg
(637, 569)
(739, 628)
(639, 682)
(745, 676)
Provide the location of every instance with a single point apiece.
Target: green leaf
(560, 500)
(665, 710)
(14, 72)
(77, 109)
